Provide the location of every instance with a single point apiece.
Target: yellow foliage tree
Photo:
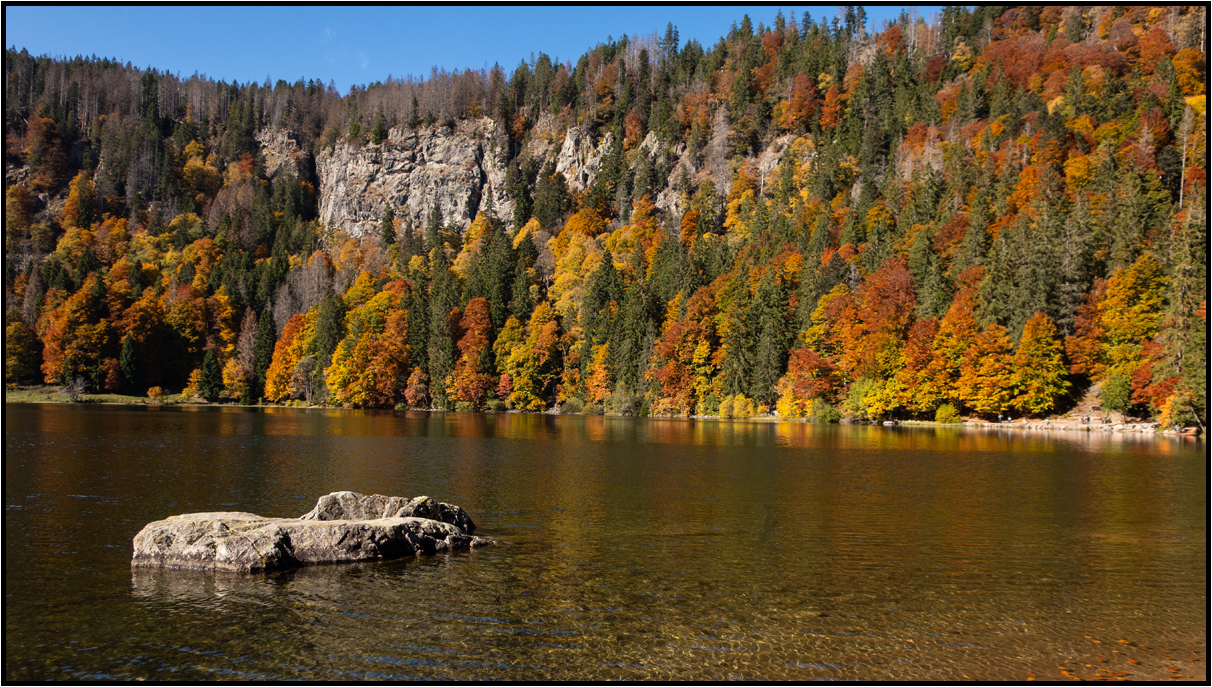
(1131, 312)
(1039, 368)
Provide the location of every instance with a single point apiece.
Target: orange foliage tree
(986, 381)
(470, 382)
(370, 366)
(684, 356)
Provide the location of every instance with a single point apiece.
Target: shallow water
(630, 549)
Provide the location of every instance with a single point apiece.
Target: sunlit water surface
(630, 549)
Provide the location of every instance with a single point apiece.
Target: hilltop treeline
(984, 214)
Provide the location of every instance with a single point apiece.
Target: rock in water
(349, 505)
(343, 527)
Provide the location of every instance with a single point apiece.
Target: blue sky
(361, 45)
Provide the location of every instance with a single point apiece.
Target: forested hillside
(989, 214)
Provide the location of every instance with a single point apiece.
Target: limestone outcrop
(579, 160)
(344, 527)
(411, 172)
(280, 151)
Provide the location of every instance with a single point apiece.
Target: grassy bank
(54, 394)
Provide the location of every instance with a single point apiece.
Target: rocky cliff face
(281, 151)
(411, 172)
(457, 169)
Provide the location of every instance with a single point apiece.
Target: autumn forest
(995, 211)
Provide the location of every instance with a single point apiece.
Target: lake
(636, 549)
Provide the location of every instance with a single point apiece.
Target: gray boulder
(344, 527)
(349, 505)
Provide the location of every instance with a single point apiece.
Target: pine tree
(387, 228)
(433, 229)
(1184, 336)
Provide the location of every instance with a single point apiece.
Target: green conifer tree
(264, 350)
(212, 376)
(387, 228)
(443, 298)
(378, 131)
(330, 330)
(128, 363)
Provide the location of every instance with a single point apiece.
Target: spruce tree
(500, 275)
(378, 132)
(414, 119)
(975, 244)
(264, 351)
(443, 298)
(551, 199)
(433, 229)
(770, 353)
(1076, 268)
(128, 363)
(739, 337)
(933, 297)
(387, 227)
(330, 329)
(212, 376)
(604, 287)
(417, 304)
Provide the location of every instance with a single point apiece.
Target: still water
(631, 549)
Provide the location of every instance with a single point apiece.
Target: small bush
(465, 407)
(620, 403)
(156, 394)
(726, 408)
(855, 403)
(823, 412)
(495, 405)
(947, 414)
(1116, 394)
(594, 409)
(742, 407)
(571, 406)
(710, 405)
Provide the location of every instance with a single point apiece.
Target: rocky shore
(1076, 425)
(343, 527)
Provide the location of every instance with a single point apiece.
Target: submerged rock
(343, 527)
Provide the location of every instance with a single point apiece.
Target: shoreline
(1045, 425)
(1077, 426)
